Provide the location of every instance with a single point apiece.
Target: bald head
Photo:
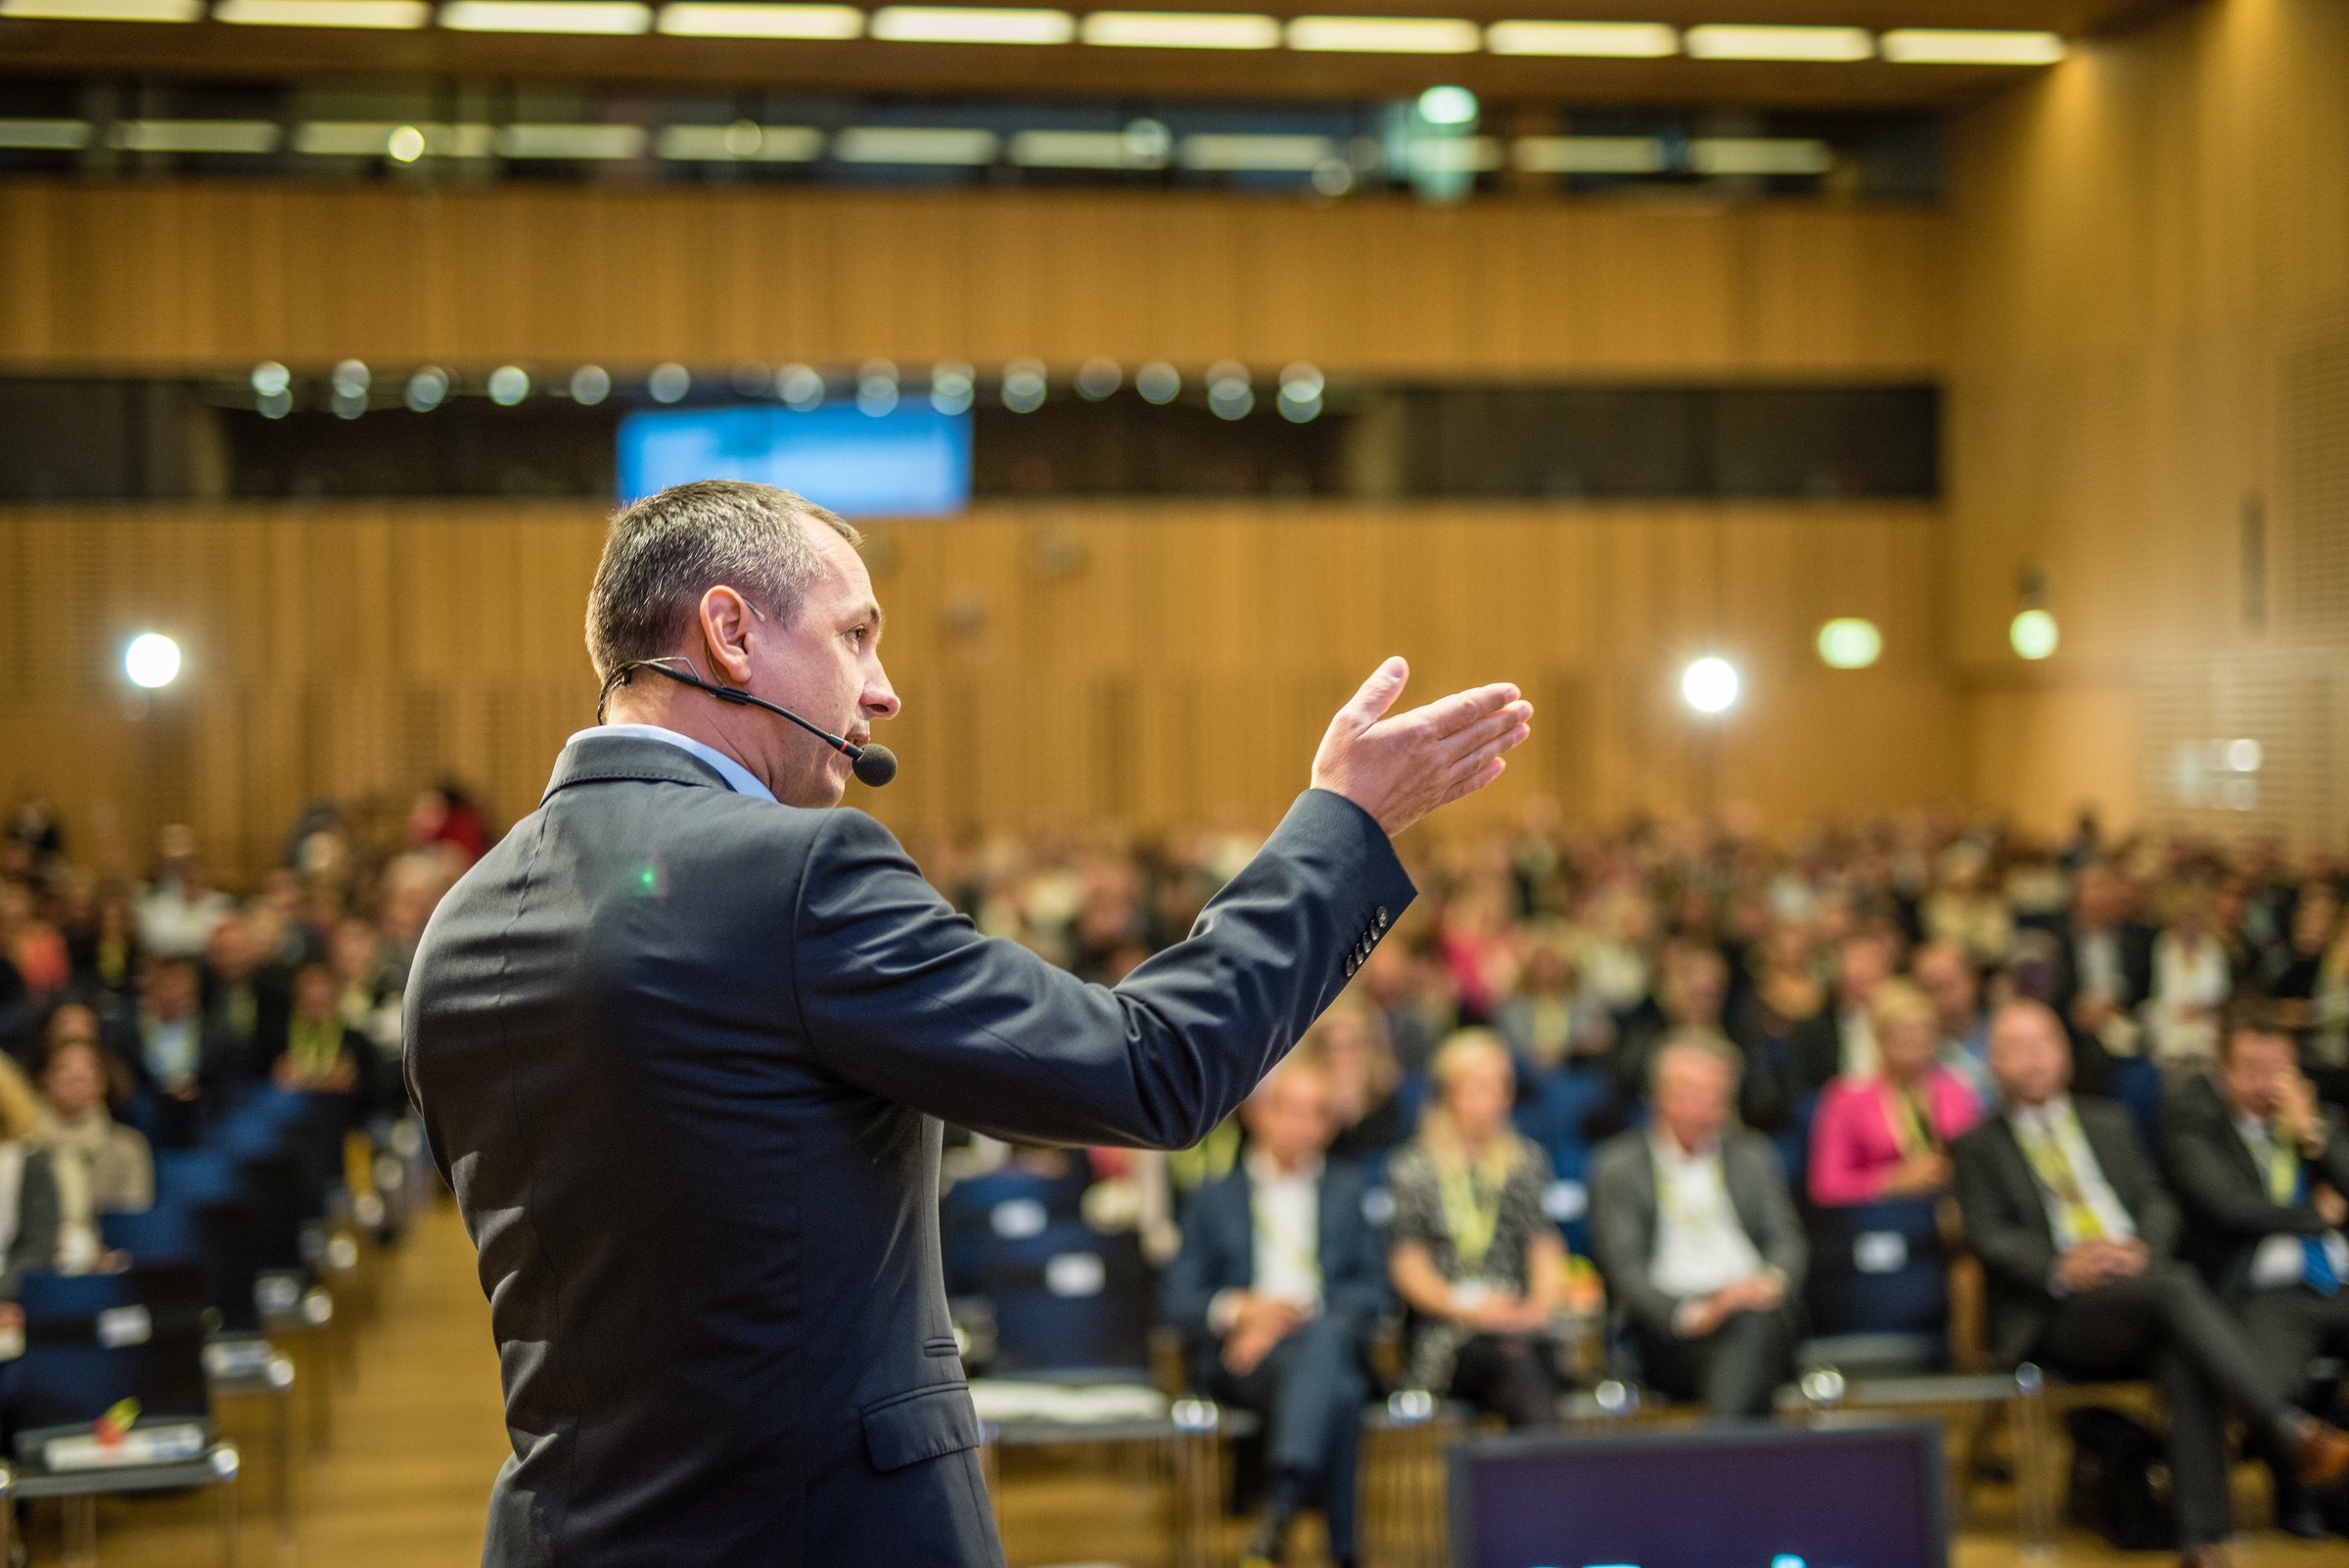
(2030, 1055)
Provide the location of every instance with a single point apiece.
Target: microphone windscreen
(876, 766)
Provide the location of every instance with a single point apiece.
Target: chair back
(93, 1340)
(1879, 1269)
(1068, 1298)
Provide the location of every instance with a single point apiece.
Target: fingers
(1472, 738)
(1376, 695)
(1447, 715)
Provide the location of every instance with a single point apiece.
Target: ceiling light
(151, 660)
(741, 141)
(426, 389)
(1588, 155)
(1157, 382)
(269, 379)
(1758, 155)
(105, 10)
(1714, 42)
(913, 144)
(980, 25)
(571, 141)
(1850, 642)
(1385, 35)
(1950, 46)
(669, 383)
(590, 385)
(1255, 153)
(509, 385)
(1710, 685)
(1447, 105)
(357, 138)
(1179, 30)
(1098, 376)
(2033, 633)
(1596, 40)
(45, 135)
(389, 15)
(1024, 386)
(800, 387)
(612, 17)
(748, 19)
(195, 136)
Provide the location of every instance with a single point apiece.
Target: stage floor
(416, 1439)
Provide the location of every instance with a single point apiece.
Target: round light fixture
(590, 385)
(1447, 105)
(1850, 642)
(669, 383)
(2033, 633)
(1710, 685)
(405, 144)
(151, 660)
(509, 385)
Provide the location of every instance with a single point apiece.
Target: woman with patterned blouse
(1475, 1257)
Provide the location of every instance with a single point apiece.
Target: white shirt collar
(1264, 1172)
(1668, 1148)
(738, 777)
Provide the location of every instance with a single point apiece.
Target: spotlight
(151, 660)
(350, 379)
(669, 383)
(405, 144)
(1850, 642)
(1228, 393)
(799, 388)
(1447, 105)
(876, 387)
(590, 385)
(2033, 633)
(950, 386)
(1024, 386)
(1098, 377)
(1710, 685)
(1157, 382)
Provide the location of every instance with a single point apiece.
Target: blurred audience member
(1544, 1020)
(2108, 961)
(178, 1068)
(1950, 981)
(28, 1204)
(243, 997)
(2076, 1234)
(1887, 1134)
(2261, 1168)
(101, 1167)
(1278, 1288)
(177, 914)
(1840, 1039)
(2190, 981)
(1697, 1238)
(1692, 992)
(321, 1053)
(1475, 1257)
(1349, 1042)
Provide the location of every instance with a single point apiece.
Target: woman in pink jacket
(1886, 1134)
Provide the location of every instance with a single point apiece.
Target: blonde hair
(1898, 1001)
(1437, 1133)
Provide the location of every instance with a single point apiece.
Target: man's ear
(725, 617)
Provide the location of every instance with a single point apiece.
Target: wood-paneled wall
(209, 275)
(1156, 665)
(2149, 401)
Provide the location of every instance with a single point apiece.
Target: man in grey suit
(1697, 1238)
(2077, 1235)
(682, 1039)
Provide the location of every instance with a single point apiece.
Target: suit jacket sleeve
(2202, 1148)
(38, 1215)
(1203, 1265)
(2013, 1244)
(900, 995)
(1783, 1244)
(1623, 1230)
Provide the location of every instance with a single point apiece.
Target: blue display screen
(1761, 1498)
(912, 461)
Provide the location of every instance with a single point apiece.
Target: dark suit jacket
(2137, 963)
(1622, 1220)
(38, 1218)
(1219, 1253)
(2007, 1218)
(2225, 1192)
(683, 1052)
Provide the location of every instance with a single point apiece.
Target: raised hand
(1399, 769)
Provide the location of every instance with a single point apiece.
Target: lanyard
(2282, 1163)
(2044, 1146)
(1911, 1124)
(1472, 1209)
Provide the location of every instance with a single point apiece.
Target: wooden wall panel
(1157, 665)
(156, 275)
(2151, 251)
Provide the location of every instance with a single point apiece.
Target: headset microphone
(874, 766)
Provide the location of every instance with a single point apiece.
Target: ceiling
(218, 51)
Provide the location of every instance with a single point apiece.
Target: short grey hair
(1707, 1045)
(670, 548)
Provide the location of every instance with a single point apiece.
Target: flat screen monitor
(1758, 1497)
(912, 461)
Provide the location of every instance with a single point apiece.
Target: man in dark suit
(2261, 1167)
(682, 1040)
(2076, 1235)
(1277, 1292)
(1697, 1238)
(2105, 974)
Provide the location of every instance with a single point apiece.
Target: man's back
(673, 1047)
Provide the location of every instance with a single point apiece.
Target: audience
(29, 1206)
(2077, 1235)
(320, 1051)
(1475, 1258)
(1697, 1239)
(101, 1166)
(1886, 1134)
(2260, 1169)
(1349, 1042)
(1277, 1287)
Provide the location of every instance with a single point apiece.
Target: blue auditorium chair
(1067, 1301)
(1878, 1289)
(1010, 1204)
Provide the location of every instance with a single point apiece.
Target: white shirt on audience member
(1701, 1244)
(1285, 1219)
